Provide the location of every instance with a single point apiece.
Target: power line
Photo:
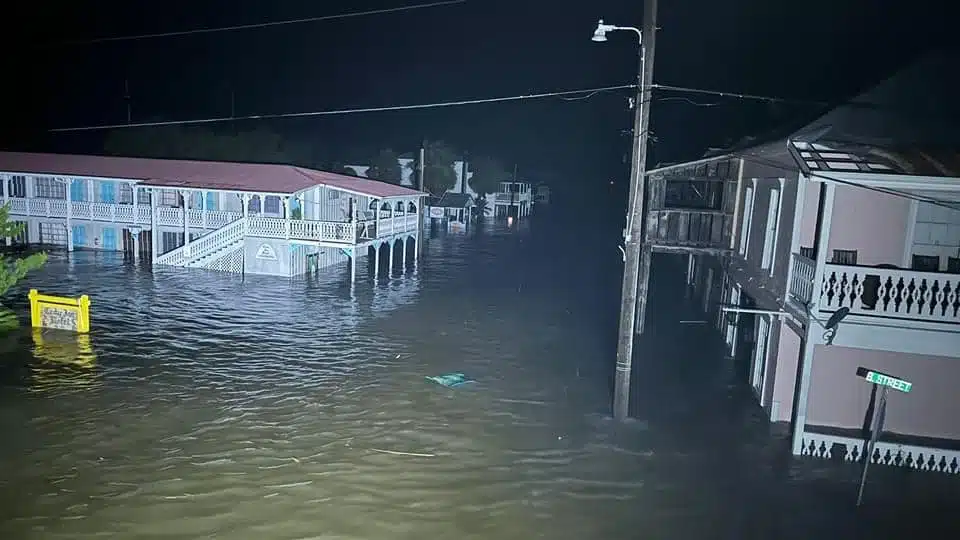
(261, 25)
(335, 112)
(738, 95)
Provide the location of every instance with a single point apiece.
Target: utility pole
(634, 270)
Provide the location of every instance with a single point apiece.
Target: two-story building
(237, 217)
(859, 209)
(512, 199)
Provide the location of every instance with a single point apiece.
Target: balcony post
(155, 235)
(825, 219)
(135, 190)
(185, 196)
(203, 209)
(286, 216)
(68, 183)
(797, 225)
(6, 199)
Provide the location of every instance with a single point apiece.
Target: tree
(438, 173)
(13, 269)
(386, 167)
(487, 175)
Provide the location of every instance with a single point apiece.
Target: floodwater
(210, 406)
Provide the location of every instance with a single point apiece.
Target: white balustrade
(891, 293)
(801, 282)
(206, 245)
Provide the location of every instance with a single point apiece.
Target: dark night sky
(821, 50)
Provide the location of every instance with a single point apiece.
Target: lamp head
(600, 34)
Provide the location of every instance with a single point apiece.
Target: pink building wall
(871, 223)
(809, 213)
(784, 379)
(838, 398)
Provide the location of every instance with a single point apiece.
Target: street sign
(886, 380)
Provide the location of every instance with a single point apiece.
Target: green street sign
(886, 380)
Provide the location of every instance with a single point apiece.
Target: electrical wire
(259, 25)
(335, 112)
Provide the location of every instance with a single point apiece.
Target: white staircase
(221, 249)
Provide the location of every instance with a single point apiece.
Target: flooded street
(267, 408)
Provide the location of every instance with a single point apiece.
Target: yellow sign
(60, 313)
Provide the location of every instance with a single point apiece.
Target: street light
(636, 259)
(600, 34)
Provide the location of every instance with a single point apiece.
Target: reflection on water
(227, 407)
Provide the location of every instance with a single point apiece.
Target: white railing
(891, 293)
(801, 281)
(207, 244)
(885, 453)
(307, 230)
(396, 224)
(117, 213)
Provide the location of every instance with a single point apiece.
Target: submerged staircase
(221, 249)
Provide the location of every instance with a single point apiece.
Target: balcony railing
(689, 228)
(801, 281)
(891, 293)
(330, 231)
(118, 213)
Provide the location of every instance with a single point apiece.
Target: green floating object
(450, 380)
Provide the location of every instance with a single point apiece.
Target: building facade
(237, 217)
(857, 230)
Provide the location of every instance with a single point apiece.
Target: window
(271, 205)
(807, 252)
(925, 263)
(169, 198)
(953, 265)
(125, 195)
(770, 235)
(846, 257)
(48, 188)
(747, 222)
(18, 186)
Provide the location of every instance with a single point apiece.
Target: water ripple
(221, 407)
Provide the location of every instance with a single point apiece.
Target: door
(107, 192)
(79, 235)
(760, 357)
(110, 239)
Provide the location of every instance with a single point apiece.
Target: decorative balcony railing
(891, 293)
(801, 280)
(118, 213)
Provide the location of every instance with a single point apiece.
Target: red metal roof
(175, 173)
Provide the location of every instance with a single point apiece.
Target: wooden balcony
(685, 229)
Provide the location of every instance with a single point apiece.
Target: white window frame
(772, 230)
(749, 196)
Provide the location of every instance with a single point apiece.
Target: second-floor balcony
(267, 226)
(890, 293)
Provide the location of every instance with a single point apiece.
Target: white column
(403, 262)
(376, 260)
(390, 255)
(68, 182)
(353, 264)
(90, 193)
(286, 215)
(810, 342)
(220, 201)
(135, 189)
(203, 209)
(185, 196)
(155, 234)
(244, 203)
